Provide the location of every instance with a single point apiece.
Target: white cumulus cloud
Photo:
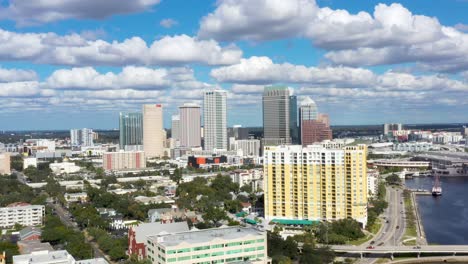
(75, 50)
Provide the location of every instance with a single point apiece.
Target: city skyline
(369, 62)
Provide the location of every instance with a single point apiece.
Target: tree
(246, 188)
(393, 179)
(214, 215)
(176, 176)
(10, 250)
(16, 163)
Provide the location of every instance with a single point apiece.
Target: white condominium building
(189, 129)
(214, 116)
(82, 137)
(21, 213)
(5, 163)
(319, 182)
(249, 147)
(216, 245)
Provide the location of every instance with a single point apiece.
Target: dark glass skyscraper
(276, 116)
(131, 129)
(293, 127)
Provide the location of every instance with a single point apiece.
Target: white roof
(153, 229)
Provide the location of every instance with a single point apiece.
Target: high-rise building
(314, 127)
(214, 116)
(82, 137)
(293, 127)
(276, 115)
(326, 181)
(249, 147)
(175, 128)
(190, 129)
(152, 130)
(388, 128)
(131, 129)
(5, 163)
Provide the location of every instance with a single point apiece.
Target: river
(445, 218)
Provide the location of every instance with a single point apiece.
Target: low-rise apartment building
(21, 213)
(215, 245)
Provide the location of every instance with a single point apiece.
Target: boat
(437, 189)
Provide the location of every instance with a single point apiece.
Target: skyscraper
(276, 115)
(175, 127)
(82, 137)
(314, 127)
(131, 129)
(214, 116)
(152, 130)
(190, 129)
(325, 181)
(293, 127)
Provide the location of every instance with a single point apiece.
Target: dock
(419, 226)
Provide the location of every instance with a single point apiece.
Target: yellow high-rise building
(326, 181)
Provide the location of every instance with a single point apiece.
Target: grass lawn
(360, 241)
(410, 243)
(376, 226)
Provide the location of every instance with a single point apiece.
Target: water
(445, 218)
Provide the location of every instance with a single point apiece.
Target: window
(183, 258)
(200, 256)
(217, 253)
(234, 251)
(201, 248)
(172, 260)
(249, 249)
(217, 246)
(183, 250)
(233, 244)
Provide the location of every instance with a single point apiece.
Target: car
(380, 244)
(417, 247)
(372, 242)
(370, 247)
(397, 227)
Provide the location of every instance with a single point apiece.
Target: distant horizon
(117, 129)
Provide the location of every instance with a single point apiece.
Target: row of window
(200, 248)
(185, 258)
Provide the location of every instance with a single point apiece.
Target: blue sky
(80, 62)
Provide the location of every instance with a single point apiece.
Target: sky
(78, 63)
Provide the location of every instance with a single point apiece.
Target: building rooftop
(45, 256)
(206, 235)
(92, 261)
(27, 247)
(153, 229)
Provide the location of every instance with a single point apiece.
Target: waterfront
(444, 218)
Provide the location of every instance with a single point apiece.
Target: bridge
(391, 250)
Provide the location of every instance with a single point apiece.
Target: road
(438, 249)
(393, 228)
(64, 216)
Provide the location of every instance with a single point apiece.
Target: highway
(443, 249)
(393, 227)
